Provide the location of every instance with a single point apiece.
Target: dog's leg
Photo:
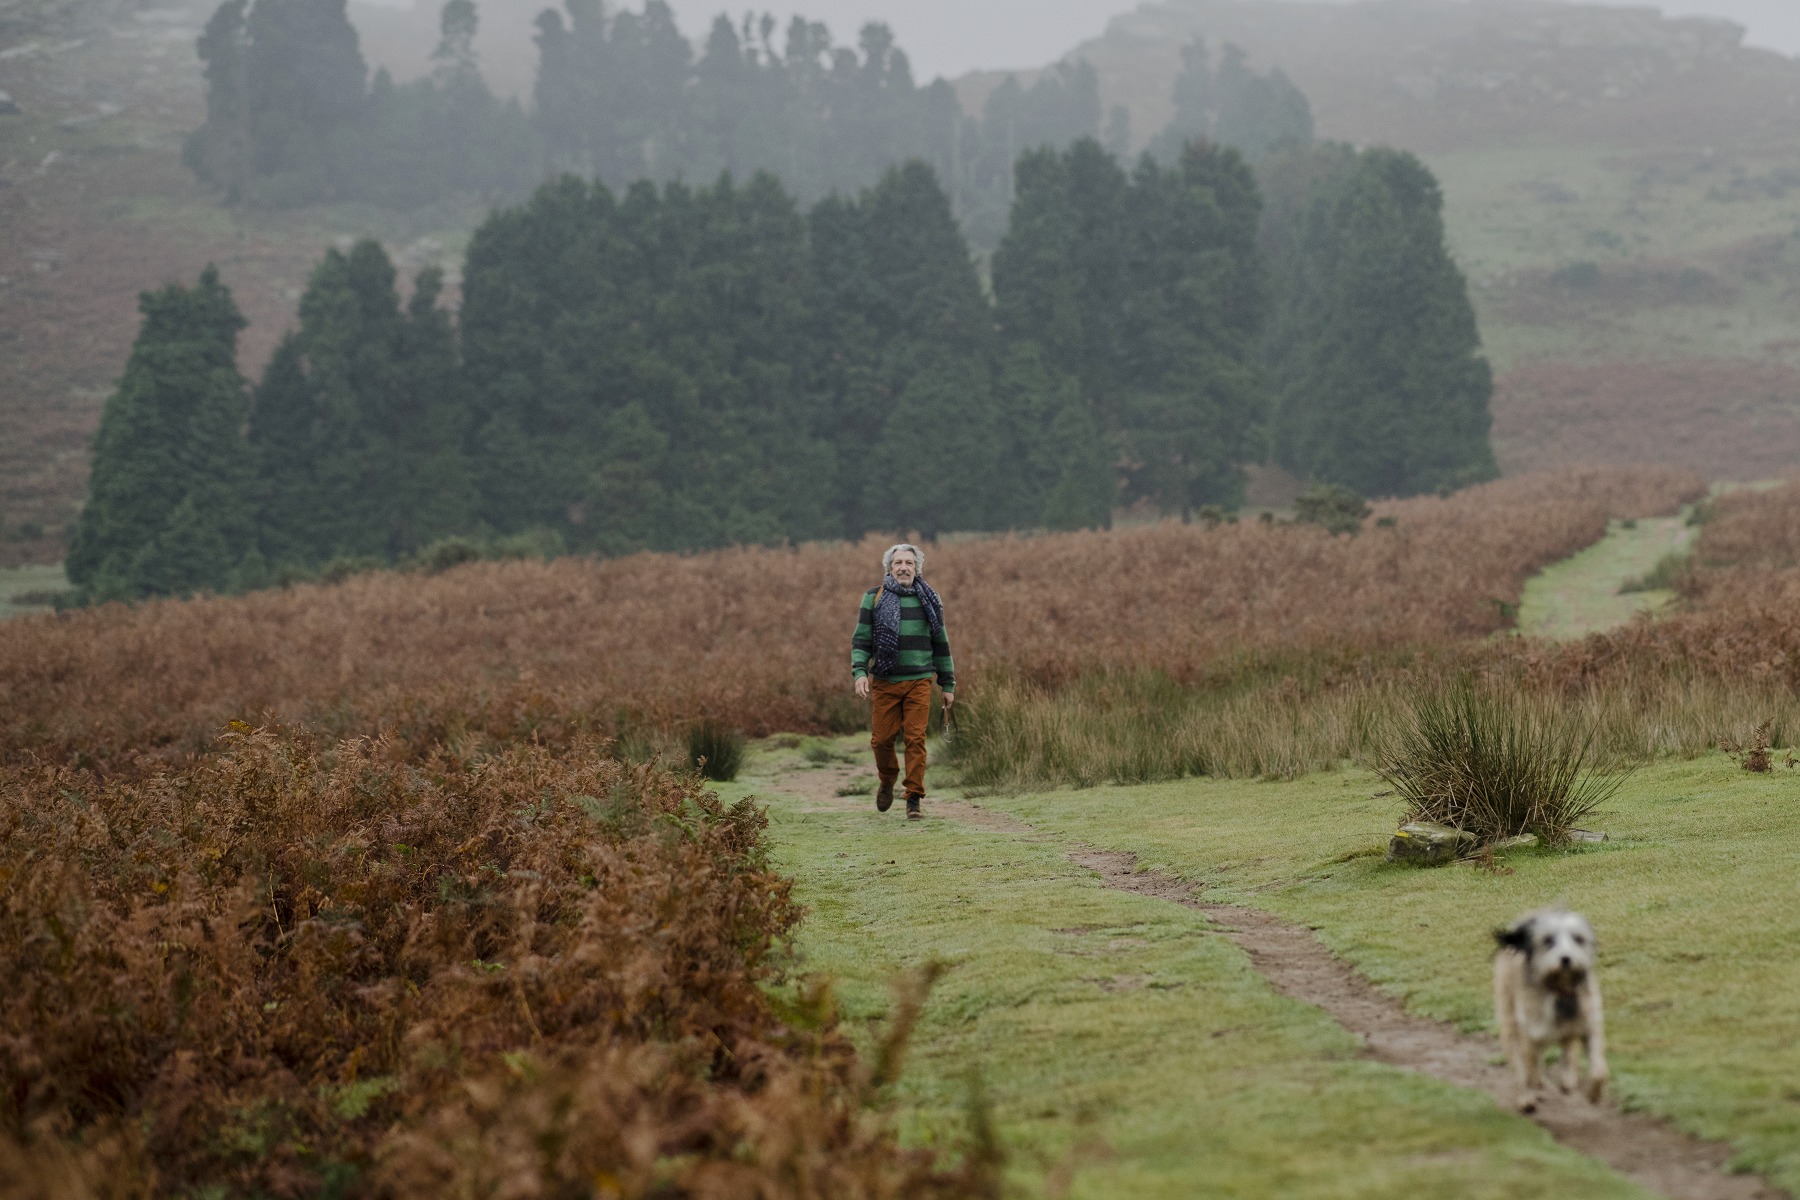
(1569, 1075)
(1506, 1016)
(1531, 1086)
(1596, 1046)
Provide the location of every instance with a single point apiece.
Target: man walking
(900, 641)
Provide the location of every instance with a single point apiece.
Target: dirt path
(1646, 1150)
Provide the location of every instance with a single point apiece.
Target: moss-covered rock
(1427, 845)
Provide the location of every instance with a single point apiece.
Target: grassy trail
(1693, 897)
(1122, 1041)
(1580, 595)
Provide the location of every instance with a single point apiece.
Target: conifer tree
(1257, 114)
(222, 150)
(1193, 322)
(1056, 460)
(360, 421)
(926, 446)
(167, 512)
(1382, 386)
(1061, 275)
(1150, 291)
(646, 361)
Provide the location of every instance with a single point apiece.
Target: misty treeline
(622, 95)
(677, 368)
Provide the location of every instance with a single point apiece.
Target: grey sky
(949, 37)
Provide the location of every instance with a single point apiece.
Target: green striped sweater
(921, 654)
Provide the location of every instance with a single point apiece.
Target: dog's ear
(1518, 937)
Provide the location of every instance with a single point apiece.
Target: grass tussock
(298, 967)
(715, 750)
(1497, 763)
(489, 651)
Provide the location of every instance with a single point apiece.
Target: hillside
(97, 207)
(1620, 189)
(1619, 186)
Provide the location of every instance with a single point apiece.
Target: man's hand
(862, 687)
(949, 699)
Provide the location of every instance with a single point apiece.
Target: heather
(305, 967)
(759, 638)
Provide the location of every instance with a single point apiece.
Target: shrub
(1496, 763)
(448, 552)
(1332, 505)
(1670, 573)
(715, 750)
(1750, 751)
(304, 968)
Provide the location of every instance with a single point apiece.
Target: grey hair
(887, 560)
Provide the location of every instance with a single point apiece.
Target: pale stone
(1429, 845)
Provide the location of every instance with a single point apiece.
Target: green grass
(1693, 898)
(23, 581)
(1123, 1022)
(1509, 209)
(1580, 594)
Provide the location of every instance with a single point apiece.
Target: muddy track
(1648, 1151)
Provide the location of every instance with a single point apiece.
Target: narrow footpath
(1580, 594)
(1133, 1040)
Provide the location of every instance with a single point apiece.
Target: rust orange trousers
(900, 710)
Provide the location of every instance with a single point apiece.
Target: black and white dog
(1545, 994)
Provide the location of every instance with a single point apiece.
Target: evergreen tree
(1382, 387)
(167, 511)
(292, 118)
(1258, 114)
(645, 361)
(308, 80)
(1055, 455)
(360, 421)
(1193, 322)
(1196, 103)
(620, 95)
(930, 348)
(221, 150)
(1062, 273)
(1150, 291)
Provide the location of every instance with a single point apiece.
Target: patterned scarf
(887, 620)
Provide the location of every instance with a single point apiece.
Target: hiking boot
(912, 807)
(884, 796)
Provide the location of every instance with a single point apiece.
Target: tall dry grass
(1140, 727)
(758, 639)
(1740, 617)
(1723, 663)
(297, 967)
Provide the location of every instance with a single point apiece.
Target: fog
(949, 37)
